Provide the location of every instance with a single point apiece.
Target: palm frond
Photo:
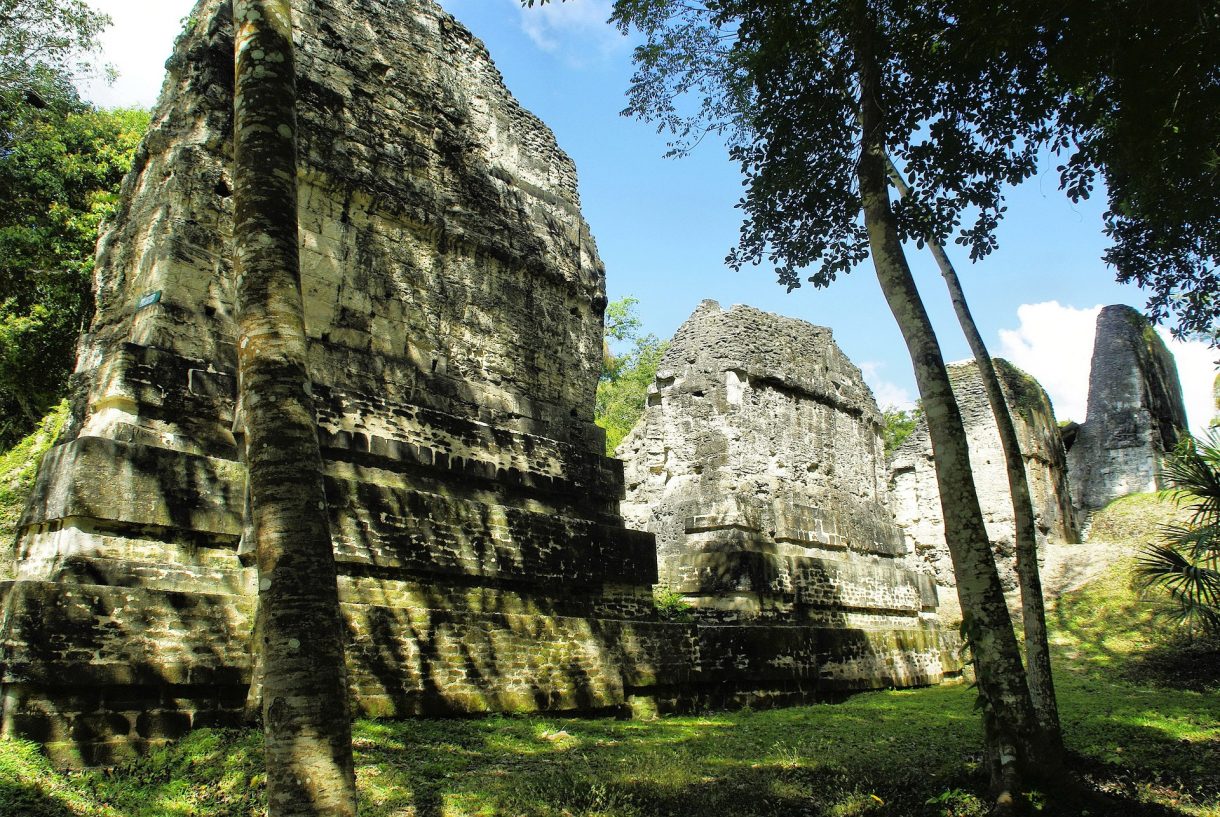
(1202, 542)
(1193, 473)
(1185, 566)
(1193, 588)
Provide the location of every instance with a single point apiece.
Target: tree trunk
(1033, 609)
(305, 712)
(1007, 712)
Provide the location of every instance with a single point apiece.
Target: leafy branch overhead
(1117, 93)
(44, 44)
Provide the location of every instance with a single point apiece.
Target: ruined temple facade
(1135, 412)
(917, 497)
(453, 305)
(759, 466)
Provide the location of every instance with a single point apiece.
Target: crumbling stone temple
(454, 302)
(1135, 412)
(760, 467)
(917, 497)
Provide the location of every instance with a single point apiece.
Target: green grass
(1135, 735)
(1135, 520)
(18, 467)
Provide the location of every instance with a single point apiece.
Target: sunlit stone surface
(454, 302)
(759, 466)
(917, 497)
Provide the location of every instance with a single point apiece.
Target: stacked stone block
(759, 466)
(454, 303)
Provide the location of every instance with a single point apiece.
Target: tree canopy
(60, 167)
(44, 44)
(776, 81)
(626, 373)
(1127, 94)
(61, 164)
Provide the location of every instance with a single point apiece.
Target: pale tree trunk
(1007, 711)
(305, 711)
(1033, 609)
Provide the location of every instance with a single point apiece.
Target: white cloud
(889, 395)
(137, 45)
(575, 29)
(1054, 343)
(1197, 371)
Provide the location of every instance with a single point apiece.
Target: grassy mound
(1134, 521)
(1110, 626)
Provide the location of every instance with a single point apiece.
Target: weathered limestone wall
(917, 498)
(1135, 413)
(454, 301)
(759, 466)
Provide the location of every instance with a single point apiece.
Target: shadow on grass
(29, 787)
(883, 754)
(875, 754)
(1179, 664)
(30, 800)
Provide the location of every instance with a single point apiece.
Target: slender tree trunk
(1033, 609)
(305, 712)
(1007, 711)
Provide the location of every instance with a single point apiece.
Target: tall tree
(1008, 710)
(1033, 607)
(811, 95)
(306, 723)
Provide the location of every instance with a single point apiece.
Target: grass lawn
(1140, 728)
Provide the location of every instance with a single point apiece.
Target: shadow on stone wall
(128, 623)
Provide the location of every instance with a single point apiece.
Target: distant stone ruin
(1135, 412)
(454, 302)
(917, 498)
(759, 466)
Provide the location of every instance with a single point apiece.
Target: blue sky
(663, 226)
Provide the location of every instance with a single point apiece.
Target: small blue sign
(148, 300)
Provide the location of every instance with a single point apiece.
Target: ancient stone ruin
(1135, 412)
(454, 303)
(914, 487)
(759, 466)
